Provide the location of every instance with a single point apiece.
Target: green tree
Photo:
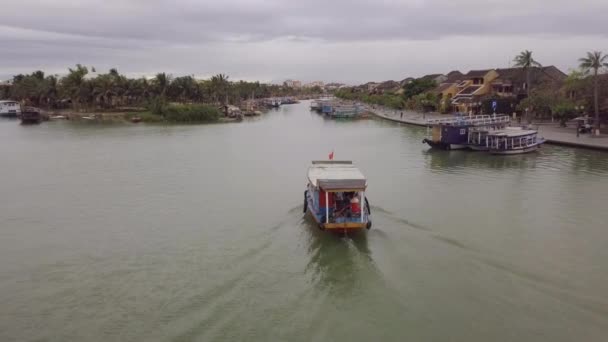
(425, 102)
(418, 86)
(594, 61)
(162, 82)
(75, 86)
(219, 88)
(525, 61)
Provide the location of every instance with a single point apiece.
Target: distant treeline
(85, 89)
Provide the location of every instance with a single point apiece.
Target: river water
(196, 233)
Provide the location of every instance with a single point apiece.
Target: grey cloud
(194, 22)
(351, 40)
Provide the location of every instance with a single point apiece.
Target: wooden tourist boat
(514, 141)
(335, 196)
(453, 133)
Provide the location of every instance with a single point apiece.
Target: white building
(293, 83)
(319, 84)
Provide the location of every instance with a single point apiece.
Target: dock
(563, 136)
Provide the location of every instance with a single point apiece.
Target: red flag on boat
(331, 155)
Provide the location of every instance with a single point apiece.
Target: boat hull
(479, 148)
(444, 146)
(516, 151)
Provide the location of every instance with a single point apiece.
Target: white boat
(514, 140)
(345, 111)
(10, 108)
(335, 196)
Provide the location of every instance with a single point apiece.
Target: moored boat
(514, 140)
(31, 115)
(327, 107)
(453, 133)
(10, 108)
(335, 196)
(345, 111)
(478, 140)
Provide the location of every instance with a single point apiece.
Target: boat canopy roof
(336, 175)
(512, 133)
(8, 101)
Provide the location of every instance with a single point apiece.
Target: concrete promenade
(552, 132)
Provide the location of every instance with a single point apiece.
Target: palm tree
(162, 81)
(219, 86)
(75, 86)
(50, 90)
(525, 61)
(594, 60)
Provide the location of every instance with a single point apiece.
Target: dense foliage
(418, 86)
(84, 89)
(414, 96)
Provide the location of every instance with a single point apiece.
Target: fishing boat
(335, 196)
(514, 140)
(453, 133)
(31, 115)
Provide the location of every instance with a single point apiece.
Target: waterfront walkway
(552, 132)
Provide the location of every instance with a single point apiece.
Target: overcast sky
(350, 41)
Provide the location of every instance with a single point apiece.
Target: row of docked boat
(489, 133)
(336, 109)
(276, 102)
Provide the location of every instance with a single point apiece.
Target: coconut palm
(525, 61)
(595, 61)
(219, 87)
(183, 89)
(162, 82)
(75, 86)
(51, 90)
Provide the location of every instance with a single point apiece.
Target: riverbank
(565, 136)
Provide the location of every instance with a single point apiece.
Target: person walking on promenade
(401, 114)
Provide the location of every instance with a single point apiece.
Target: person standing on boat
(355, 206)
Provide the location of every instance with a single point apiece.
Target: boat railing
(478, 120)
